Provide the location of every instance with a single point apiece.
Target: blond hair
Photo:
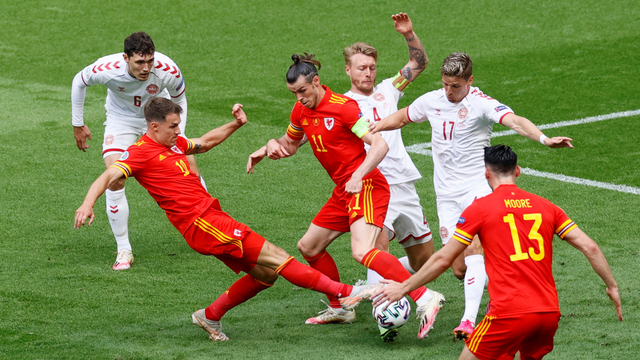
(359, 48)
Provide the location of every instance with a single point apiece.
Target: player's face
(362, 71)
(456, 88)
(168, 131)
(140, 66)
(307, 94)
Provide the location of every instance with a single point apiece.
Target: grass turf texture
(548, 60)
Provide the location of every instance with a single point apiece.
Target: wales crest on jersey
(329, 122)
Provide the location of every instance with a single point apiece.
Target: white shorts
(450, 209)
(120, 133)
(405, 219)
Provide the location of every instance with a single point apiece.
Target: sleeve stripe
(502, 117)
(295, 133)
(464, 241)
(122, 167)
(564, 225)
(182, 92)
(82, 77)
(464, 233)
(408, 117)
(190, 147)
(567, 229)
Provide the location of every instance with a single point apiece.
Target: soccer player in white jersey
(462, 119)
(405, 219)
(131, 78)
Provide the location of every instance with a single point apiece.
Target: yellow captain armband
(361, 127)
(400, 82)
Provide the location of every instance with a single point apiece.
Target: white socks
(405, 262)
(373, 277)
(474, 281)
(118, 214)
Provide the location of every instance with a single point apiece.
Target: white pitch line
(575, 180)
(425, 149)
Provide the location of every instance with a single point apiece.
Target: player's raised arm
(581, 241)
(526, 128)
(394, 121)
(216, 136)
(98, 187)
(418, 59)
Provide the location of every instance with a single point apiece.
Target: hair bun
(295, 58)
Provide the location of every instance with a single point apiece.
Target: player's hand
(82, 133)
(82, 214)
(558, 142)
(402, 23)
(353, 186)
(393, 291)
(255, 158)
(275, 150)
(614, 295)
(374, 128)
(239, 114)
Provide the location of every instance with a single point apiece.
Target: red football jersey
(516, 229)
(166, 175)
(328, 128)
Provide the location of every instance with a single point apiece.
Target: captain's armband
(400, 82)
(361, 127)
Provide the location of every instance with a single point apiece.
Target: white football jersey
(460, 132)
(126, 95)
(396, 166)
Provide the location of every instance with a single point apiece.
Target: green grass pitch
(59, 299)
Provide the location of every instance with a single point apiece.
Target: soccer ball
(394, 316)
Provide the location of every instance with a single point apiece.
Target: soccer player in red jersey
(336, 130)
(158, 161)
(516, 229)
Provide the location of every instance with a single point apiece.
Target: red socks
(389, 267)
(242, 290)
(305, 277)
(324, 263)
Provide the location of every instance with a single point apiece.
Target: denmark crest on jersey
(153, 89)
(378, 97)
(176, 150)
(462, 113)
(329, 122)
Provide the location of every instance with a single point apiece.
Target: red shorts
(235, 244)
(343, 209)
(500, 338)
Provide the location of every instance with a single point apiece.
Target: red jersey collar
(326, 97)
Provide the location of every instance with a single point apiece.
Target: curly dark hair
(303, 65)
(139, 43)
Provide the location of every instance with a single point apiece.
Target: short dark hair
(501, 159)
(139, 43)
(157, 109)
(303, 65)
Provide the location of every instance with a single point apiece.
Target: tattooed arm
(418, 59)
